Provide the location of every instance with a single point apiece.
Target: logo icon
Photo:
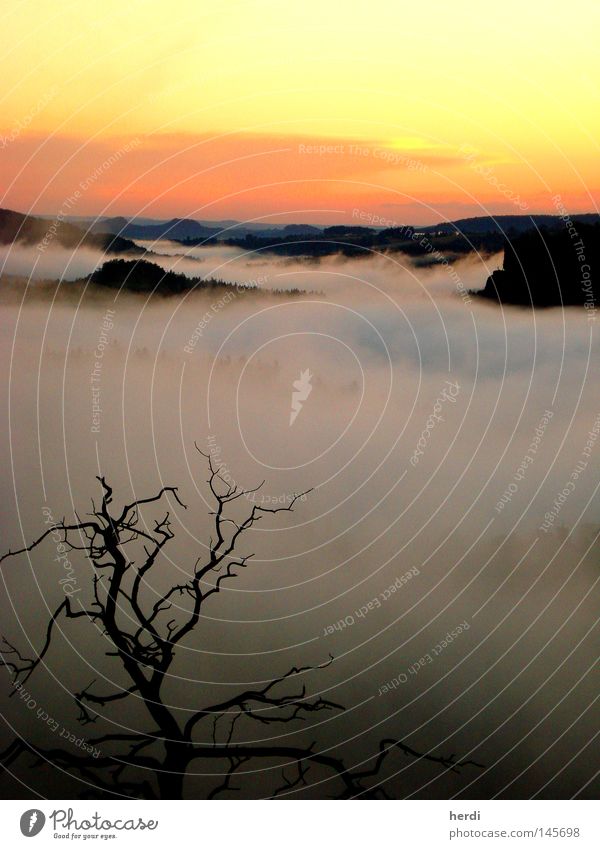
(302, 389)
(32, 822)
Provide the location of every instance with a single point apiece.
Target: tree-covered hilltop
(548, 268)
(140, 276)
(147, 277)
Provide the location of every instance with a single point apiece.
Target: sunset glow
(390, 113)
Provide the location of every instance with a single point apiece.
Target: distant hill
(176, 229)
(549, 268)
(105, 225)
(355, 241)
(30, 230)
(485, 234)
(187, 229)
(300, 230)
(508, 224)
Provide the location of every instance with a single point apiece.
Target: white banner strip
(295, 825)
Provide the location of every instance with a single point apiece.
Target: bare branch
(146, 652)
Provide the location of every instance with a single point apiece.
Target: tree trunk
(170, 779)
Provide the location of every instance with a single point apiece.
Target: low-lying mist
(437, 434)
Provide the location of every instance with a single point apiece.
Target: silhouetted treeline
(144, 276)
(510, 225)
(361, 241)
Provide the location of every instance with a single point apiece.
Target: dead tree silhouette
(144, 637)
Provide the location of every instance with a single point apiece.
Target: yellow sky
(518, 81)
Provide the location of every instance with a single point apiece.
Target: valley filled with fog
(436, 432)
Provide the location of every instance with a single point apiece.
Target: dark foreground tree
(143, 637)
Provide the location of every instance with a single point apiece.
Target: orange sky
(316, 112)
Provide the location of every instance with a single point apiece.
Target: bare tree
(143, 637)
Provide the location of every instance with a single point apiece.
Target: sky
(321, 112)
